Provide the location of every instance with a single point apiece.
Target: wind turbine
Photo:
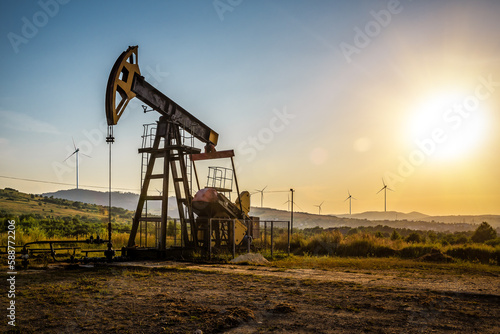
(77, 151)
(349, 198)
(319, 207)
(294, 203)
(261, 195)
(384, 188)
(288, 202)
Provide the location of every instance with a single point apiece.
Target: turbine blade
(69, 156)
(264, 188)
(380, 190)
(383, 182)
(390, 189)
(322, 203)
(73, 139)
(88, 156)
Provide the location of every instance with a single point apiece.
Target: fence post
(233, 241)
(175, 232)
(209, 238)
(248, 236)
(265, 234)
(272, 240)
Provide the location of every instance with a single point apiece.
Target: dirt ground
(171, 297)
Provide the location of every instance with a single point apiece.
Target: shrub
(395, 235)
(493, 242)
(415, 251)
(297, 242)
(476, 253)
(414, 237)
(324, 244)
(484, 233)
(365, 245)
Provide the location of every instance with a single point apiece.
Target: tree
(414, 237)
(484, 233)
(395, 235)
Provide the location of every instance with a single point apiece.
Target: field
(373, 279)
(294, 295)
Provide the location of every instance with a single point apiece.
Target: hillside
(306, 220)
(126, 200)
(389, 215)
(15, 203)
(413, 220)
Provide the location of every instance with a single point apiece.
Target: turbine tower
(77, 151)
(261, 195)
(319, 207)
(384, 188)
(349, 198)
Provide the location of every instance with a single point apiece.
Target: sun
(448, 125)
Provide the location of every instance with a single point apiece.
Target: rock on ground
(251, 258)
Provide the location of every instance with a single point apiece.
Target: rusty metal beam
(212, 155)
(167, 107)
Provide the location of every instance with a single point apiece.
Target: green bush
(476, 253)
(484, 233)
(323, 244)
(414, 237)
(395, 235)
(416, 251)
(367, 246)
(297, 242)
(493, 242)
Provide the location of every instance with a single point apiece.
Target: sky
(325, 97)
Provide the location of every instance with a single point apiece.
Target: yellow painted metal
(240, 230)
(245, 202)
(214, 137)
(120, 84)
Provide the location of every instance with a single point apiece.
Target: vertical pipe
(288, 241)
(109, 139)
(166, 177)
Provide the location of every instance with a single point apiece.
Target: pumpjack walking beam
(125, 82)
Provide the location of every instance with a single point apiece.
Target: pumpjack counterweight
(207, 219)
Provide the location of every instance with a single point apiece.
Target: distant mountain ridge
(123, 200)
(413, 220)
(126, 200)
(389, 215)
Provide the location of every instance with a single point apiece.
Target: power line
(60, 183)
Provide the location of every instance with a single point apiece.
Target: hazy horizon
(325, 99)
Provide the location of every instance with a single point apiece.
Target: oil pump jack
(209, 218)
